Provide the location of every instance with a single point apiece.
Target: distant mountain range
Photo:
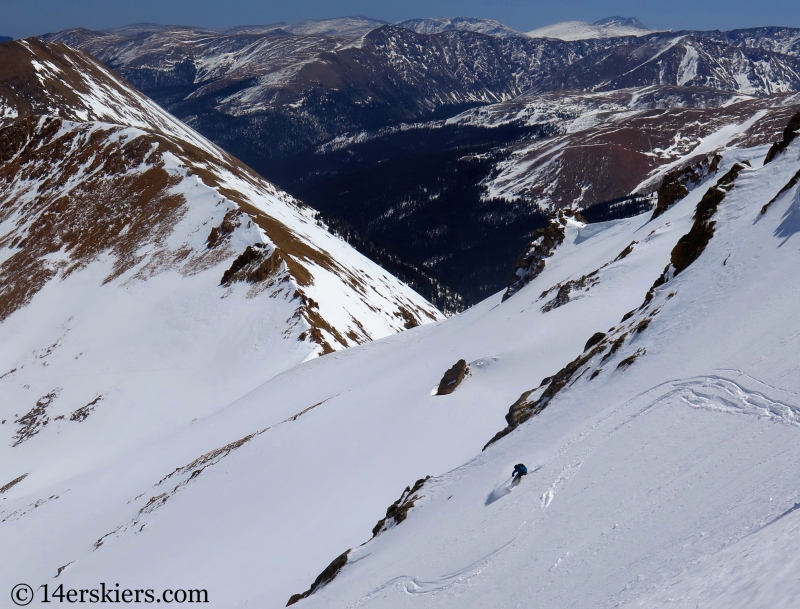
(423, 136)
(4, 38)
(461, 24)
(356, 26)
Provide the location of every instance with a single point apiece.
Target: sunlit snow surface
(659, 483)
(583, 30)
(658, 466)
(670, 483)
(98, 368)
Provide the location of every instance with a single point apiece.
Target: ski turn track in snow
(723, 392)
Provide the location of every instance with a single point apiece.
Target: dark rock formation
(564, 294)
(452, 378)
(253, 265)
(630, 359)
(532, 260)
(789, 134)
(82, 413)
(789, 185)
(34, 420)
(331, 571)
(595, 339)
(7, 487)
(523, 410)
(395, 514)
(679, 182)
(398, 511)
(693, 243)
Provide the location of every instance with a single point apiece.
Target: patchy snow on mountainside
(611, 27)
(343, 27)
(609, 145)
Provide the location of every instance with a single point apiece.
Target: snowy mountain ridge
(655, 435)
(635, 444)
(326, 120)
(147, 278)
(437, 25)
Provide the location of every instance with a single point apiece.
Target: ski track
(713, 392)
(416, 586)
(709, 392)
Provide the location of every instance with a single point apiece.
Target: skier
(519, 471)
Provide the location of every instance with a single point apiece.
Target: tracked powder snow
(661, 455)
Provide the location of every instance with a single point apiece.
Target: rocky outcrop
(331, 571)
(693, 243)
(7, 487)
(545, 241)
(788, 186)
(565, 290)
(398, 511)
(395, 514)
(82, 413)
(35, 419)
(593, 340)
(679, 182)
(789, 134)
(453, 377)
(255, 264)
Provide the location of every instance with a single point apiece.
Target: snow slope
(667, 479)
(253, 501)
(147, 278)
(293, 497)
(656, 464)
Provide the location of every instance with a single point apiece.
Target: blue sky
(30, 17)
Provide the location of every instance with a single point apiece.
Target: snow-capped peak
(610, 27)
(626, 22)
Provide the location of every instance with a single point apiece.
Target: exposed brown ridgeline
(77, 181)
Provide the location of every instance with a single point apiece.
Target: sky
(20, 18)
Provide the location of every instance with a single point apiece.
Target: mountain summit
(626, 22)
(610, 27)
